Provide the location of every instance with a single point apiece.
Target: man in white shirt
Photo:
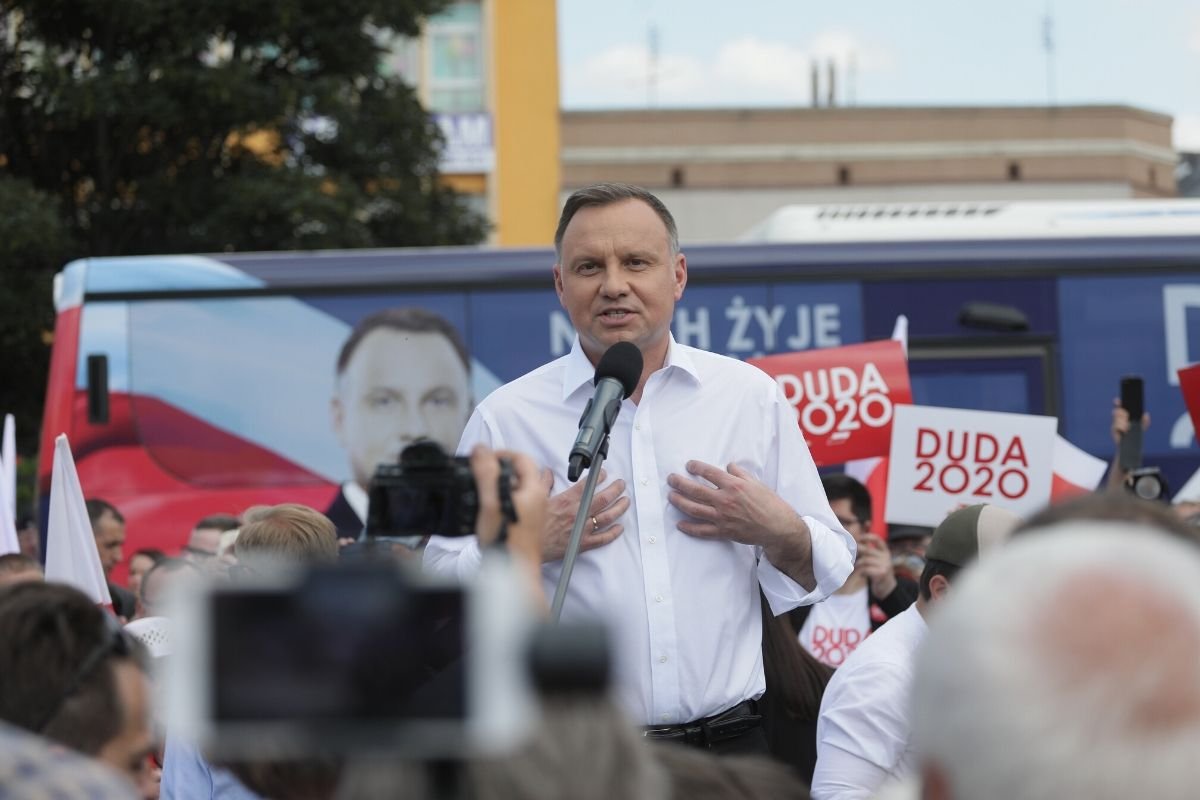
(711, 491)
(864, 729)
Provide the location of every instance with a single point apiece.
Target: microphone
(617, 377)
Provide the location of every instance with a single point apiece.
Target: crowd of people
(767, 639)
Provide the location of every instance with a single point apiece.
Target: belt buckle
(667, 733)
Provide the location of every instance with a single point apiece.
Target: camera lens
(1148, 487)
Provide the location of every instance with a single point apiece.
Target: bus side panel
(1116, 326)
(60, 392)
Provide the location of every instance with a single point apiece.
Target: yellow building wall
(525, 122)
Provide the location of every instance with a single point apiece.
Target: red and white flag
(8, 488)
(71, 555)
(1076, 472)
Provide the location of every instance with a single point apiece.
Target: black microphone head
(623, 363)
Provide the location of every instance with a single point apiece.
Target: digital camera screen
(419, 509)
(342, 649)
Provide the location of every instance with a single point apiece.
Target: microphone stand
(581, 518)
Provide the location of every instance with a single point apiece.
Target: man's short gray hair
(1067, 665)
(605, 194)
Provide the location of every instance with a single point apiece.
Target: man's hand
(1120, 426)
(734, 505)
(608, 504)
(875, 562)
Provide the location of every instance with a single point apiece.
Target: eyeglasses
(198, 553)
(116, 642)
(848, 521)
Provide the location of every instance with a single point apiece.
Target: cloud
(1186, 133)
(746, 70)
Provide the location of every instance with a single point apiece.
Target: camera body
(429, 492)
(362, 657)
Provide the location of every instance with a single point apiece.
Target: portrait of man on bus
(403, 374)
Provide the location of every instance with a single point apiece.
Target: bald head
(1067, 665)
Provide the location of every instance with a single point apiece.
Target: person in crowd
(795, 684)
(1068, 665)
(1119, 506)
(33, 768)
(864, 734)
(29, 538)
(108, 528)
(709, 481)
(204, 542)
(870, 596)
(403, 374)
(140, 563)
(70, 674)
(157, 584)
(907, 544)
(19, 568)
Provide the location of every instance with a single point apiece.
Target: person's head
(72, 675)
(140, 563)
(619, 271)
(108, 526)
(29, 538)
(157, 582)
(961, 538)
(19, 568)
(288, 533)
(1112, 507)
(907, 545)
(850, 501)
(204, 542)
(1065, 665)
(402, 375)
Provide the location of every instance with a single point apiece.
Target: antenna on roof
(1048, 45)
(652, 65)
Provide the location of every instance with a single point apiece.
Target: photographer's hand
(608, 504)
(529, 501)
(1120, 426)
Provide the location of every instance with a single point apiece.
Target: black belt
(718, 728)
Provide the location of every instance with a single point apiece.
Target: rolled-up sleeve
(793, 475)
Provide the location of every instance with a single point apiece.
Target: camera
(1148, 483)
(355, 658)
(429, 493)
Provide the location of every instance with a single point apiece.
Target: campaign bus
(195, 384)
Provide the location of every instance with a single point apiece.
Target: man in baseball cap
(864, 733)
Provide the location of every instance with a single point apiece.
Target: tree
(144, 126)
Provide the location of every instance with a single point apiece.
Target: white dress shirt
(864, 731)
(683, 612)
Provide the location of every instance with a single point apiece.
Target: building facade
(721, 171)
(491, 81)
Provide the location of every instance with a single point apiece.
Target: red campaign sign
(1189, 382)
(844, 397)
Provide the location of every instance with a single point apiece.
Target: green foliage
(143, 126)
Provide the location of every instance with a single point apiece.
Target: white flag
(71, 555)
(8, 488)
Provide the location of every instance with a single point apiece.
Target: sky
(1144, 53)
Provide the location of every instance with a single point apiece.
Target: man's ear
(337, 418)
(938, 587)
(558, 284)
(680, 274)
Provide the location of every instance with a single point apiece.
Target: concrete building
(721, 171)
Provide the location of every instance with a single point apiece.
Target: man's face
(202, 546)
(853, 525)
(29, 541)
(128, 750)
(398, 387)
(618, 280)
(110, 538)
(139, 565)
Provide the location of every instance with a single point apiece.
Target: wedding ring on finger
(595, 525)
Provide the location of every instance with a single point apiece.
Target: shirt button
(666, 717)
(637, 426)
(645, 481)
(662, 659)
(653, 539)
(658, 598)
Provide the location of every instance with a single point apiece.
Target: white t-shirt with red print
(836, 626)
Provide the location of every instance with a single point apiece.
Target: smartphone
(352, 659)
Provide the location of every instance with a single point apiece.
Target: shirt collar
(580, 371)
